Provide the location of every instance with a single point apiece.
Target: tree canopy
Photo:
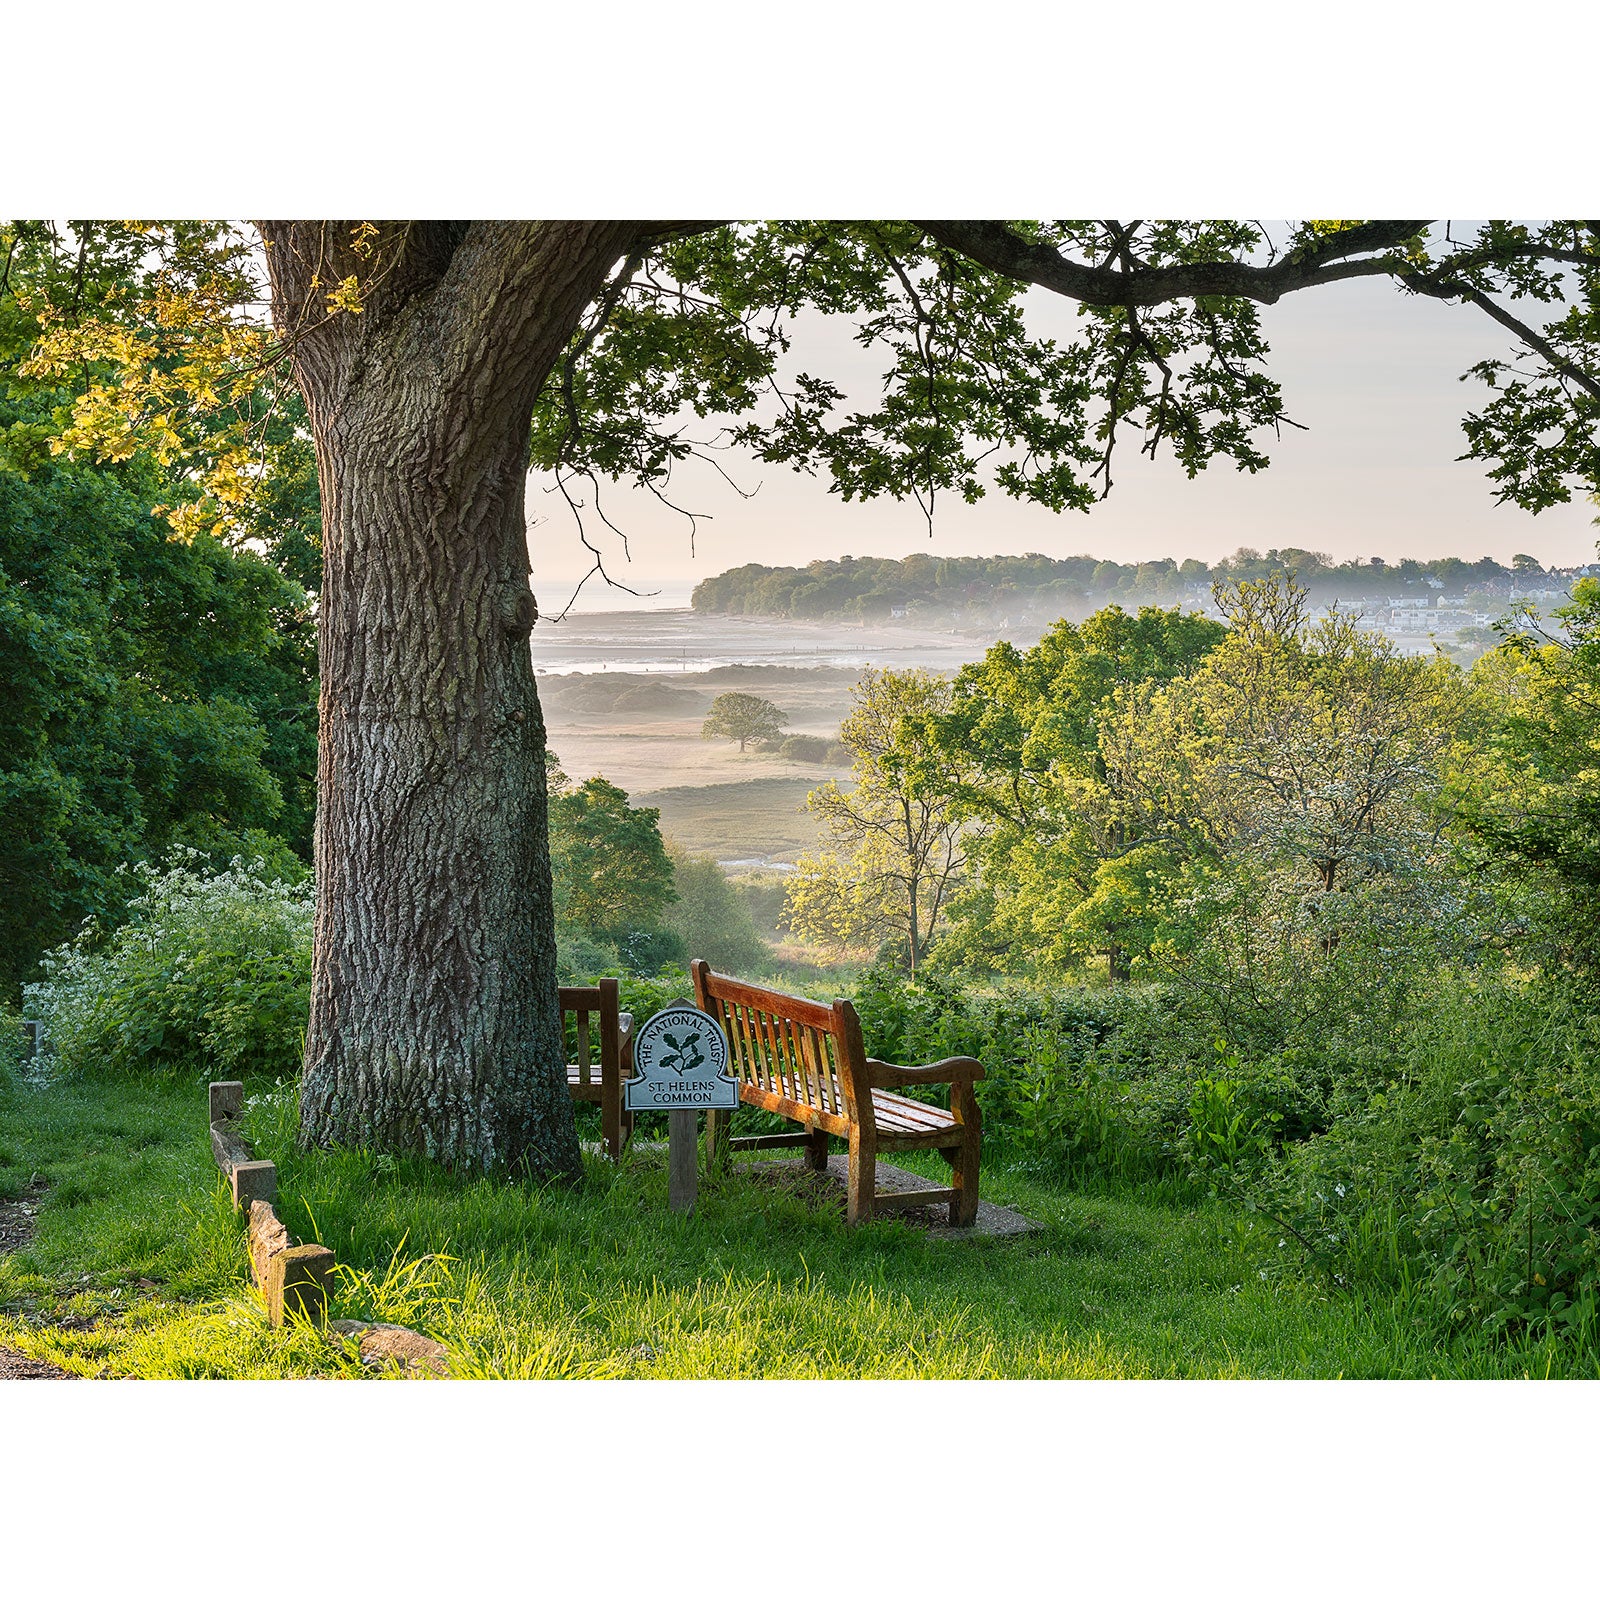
(892, 851)
(612, 874)
(157, 691)
(1530, 785)
(696, 321)
(1061, 874)
(437, 360)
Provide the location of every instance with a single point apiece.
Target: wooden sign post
(680, 1057)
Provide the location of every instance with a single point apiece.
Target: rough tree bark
(434, 1021)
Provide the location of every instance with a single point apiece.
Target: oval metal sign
(680, 1057)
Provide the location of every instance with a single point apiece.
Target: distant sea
(684, 640)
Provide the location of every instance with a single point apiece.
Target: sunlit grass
(602, 1280)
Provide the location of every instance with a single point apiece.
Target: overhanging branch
(1327, 259)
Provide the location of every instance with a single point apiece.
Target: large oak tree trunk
(434, 1021)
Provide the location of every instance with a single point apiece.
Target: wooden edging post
(254, 1180)
(295, 1279)
(297, 1283)
(226, 1102)
(248, 1179)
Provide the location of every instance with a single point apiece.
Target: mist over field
(625, 695)
(626, 691)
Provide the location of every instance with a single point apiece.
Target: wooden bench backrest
(585, 1001)
(800, 1049)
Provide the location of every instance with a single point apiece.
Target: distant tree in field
(745, 717)
(611, 873)
(711, 917)
(805, 747)
(892, 851)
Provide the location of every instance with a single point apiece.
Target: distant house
(1411, 620)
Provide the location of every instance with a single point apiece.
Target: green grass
(602, 1280)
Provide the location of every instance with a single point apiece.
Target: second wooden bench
(597, 1075)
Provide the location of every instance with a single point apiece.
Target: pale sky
(1374, 374)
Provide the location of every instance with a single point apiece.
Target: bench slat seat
(911, 1117)
(805, 1061)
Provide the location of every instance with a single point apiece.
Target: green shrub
(212, 971)
(1064, 1082)
(1119, 1081)
(580, 959)
(1471, 1182)
(642, 997)
(11, 1044)
(806, 747)
(763, 895)
(1255, 957)
(1229, 1127)
(647, 951)
(710, 917)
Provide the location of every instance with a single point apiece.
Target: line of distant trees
(1040, 588)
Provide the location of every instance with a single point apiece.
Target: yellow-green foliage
(892, 852)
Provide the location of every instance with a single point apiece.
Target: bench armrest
(625, 1038)
(954, 1069)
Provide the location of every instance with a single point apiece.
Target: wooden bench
(599, 1079)
(806, 1061)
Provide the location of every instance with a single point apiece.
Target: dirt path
(13, 1364)
(17, 1217)
(16, 1229)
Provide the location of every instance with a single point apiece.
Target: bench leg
(611, 1117)
(863, 1184)
(964, 1161)
(817, 1151)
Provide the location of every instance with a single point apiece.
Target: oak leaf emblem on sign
(688, 1052)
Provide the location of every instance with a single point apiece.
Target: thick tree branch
(513, 288)
(1325, 260)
